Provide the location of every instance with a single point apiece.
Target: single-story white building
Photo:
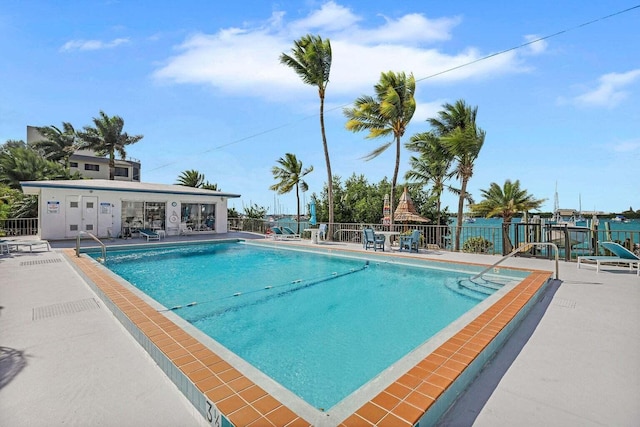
(107, 208)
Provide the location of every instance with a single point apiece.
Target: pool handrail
(104, 248)
(522, 248)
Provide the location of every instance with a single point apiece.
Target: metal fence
(498, 239)
(19, 227)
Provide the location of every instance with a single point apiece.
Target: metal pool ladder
(104, 248)
(522, 248)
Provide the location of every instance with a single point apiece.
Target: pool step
(478, 289)
(482, 285)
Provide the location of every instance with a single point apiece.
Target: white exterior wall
(103, 216)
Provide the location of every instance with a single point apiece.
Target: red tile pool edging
(244, 403)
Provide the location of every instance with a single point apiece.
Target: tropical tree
(311, 60)
(107, 138)
(387, 113)
(191, 178)
(8, 197)
(209, 186)
(289, 175)
(254, 211)
(433, 165)
(57, 145)
(505, 202)
(18, 162)
(463, 139)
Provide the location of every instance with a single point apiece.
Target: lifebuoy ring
(173, 218)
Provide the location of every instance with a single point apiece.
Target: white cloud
(627, 146)
(536, 47)
(331, 17)
(610, 91)
(245, 61)
(92, 44)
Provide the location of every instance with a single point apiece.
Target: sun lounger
(279, 234)
(149, 234)
(289, 233)
(621, 256)
(30, 243)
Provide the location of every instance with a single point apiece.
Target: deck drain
(40, 261)
(567, 303)
(64, 308)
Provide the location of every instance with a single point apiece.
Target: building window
(136, 174)
(73, 204)
(199, 216)
(73, 164)
(137, 215)
(90, 167)
(121, 172)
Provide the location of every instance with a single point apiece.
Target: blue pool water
(320, 325)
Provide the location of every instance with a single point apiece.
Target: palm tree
(290, 174)
(18, 162)
(57, 145)
(311, 60)
(506, 202)
(388, 113)
(433, 165)
(107, 138)
(191, 178)
(463, 139)
(209, 186)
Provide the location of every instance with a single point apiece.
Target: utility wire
(448, 70)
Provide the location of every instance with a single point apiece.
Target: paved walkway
(65, 360)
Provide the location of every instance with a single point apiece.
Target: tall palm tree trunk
(298, 206)
(463, 196)
(112, 166)
(395, 179)
(328, 163)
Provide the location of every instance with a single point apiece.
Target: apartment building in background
(91, 166)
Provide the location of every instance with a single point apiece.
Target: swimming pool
(322, 325)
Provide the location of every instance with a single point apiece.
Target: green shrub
(477, 245)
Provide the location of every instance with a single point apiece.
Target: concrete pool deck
(66, 359)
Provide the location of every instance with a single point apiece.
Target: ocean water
(490, 229)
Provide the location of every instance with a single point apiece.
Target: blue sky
(201, 80)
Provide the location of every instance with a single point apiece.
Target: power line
(448, 70)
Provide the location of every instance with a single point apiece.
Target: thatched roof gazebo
(406, 211)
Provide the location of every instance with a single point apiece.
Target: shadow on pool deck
(573, 361)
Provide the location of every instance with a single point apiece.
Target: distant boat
(621, 218)
(469, 220)
(567, 224)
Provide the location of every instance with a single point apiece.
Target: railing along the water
(488, 236)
